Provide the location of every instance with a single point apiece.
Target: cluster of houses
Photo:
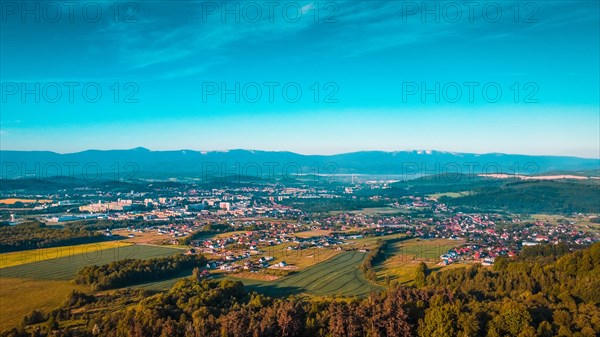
(247, 265)
(173, 230)
(237, 263)
(492, 237)
(255, 242)
(177, 213)
(473, 253)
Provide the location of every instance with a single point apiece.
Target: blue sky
(364, 56)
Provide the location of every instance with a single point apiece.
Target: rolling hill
(144, 163)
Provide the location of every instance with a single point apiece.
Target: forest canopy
(525, 297)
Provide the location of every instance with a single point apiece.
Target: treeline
(32, 235)
(131, 271)
(516, 299)
(530, 298)
(376, 255)
(546, 253)
(574, 277)
(439, 183)
(212, 228)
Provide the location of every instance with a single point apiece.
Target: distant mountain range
(142, 163)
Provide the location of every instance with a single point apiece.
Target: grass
(449, 194)
(36, 255)
(300, 258)
(226, 234)
(404, 256)
(337, 276)
(312, 233)
(65, 268)
(373, 211)
(12, 201)
(581, 223)
(44, 284)
(149, 237)
(162, 284)
(423, 249)
(377, 210)
(18, 297)
(404, 272)
(370, 242)
(262, 275)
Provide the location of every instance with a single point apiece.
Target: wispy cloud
(155, 42)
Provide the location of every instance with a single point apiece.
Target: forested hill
(32, 235)
(533, 196)
(141, 162)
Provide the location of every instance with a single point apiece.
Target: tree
(52, 323)
(421, 275)
(545, 329)
(501, 263)
(439, 322)
(512, 320)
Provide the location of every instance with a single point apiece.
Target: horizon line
(419, 151)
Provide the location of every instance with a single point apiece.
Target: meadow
(336, 276)
(582, 222)
(419, 249)
(45, 283)
(370, 242)
(312, 233)
(372, 211)
(12, 201)
(18, 297)
(436, 196)
(403, 257)
(64, 268)
(377, 211)
(162, 285)
(42, 254)
(299, 258)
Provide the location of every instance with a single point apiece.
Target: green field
(403, 257)
(18, 297)
(581, 222)
(165, 284)
(418, 249)
(377, 210)
(44, 284)
(370, 242)
(449, 194)
(65, 268)
(337, 276)
(41, 254)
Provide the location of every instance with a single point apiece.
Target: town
(268, 227)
